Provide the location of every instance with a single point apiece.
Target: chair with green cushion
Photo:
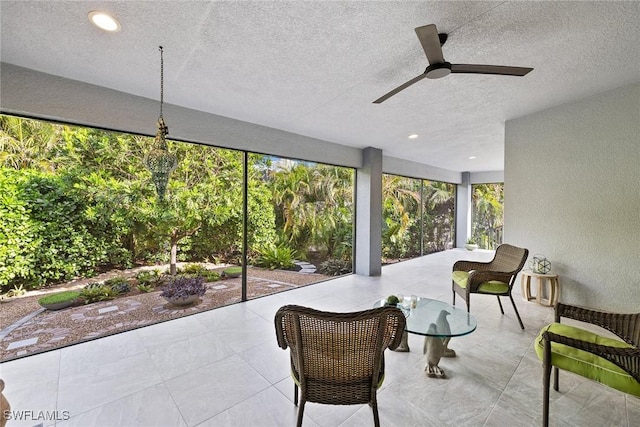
(338, 358)
(490, 278)
(606, 360)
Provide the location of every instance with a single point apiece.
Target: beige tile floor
(224, 368)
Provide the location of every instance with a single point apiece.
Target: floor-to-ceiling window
(400, 218)
(438, 199)
(313, 209)
(86, 209)
(417, 215)
(487, 214)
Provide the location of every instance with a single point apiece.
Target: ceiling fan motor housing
(437, 71)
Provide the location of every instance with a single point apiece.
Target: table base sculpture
(436, 347)
(433, 350)
(404, 344)
(437, 322)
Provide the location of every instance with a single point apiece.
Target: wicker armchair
(490, 278)
(338, 358)
(609, 361)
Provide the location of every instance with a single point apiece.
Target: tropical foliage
(487, 214)
(85, 203)
(417, 217)
(77, 201)
(313, 208)
(276, 256)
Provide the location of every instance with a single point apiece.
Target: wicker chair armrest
(627, 359)
(470, 265)
(476, 278)
(625, 326)
(278, 320)
(583, 314)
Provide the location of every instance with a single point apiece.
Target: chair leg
(516, 310)
(546, 376)
(556, 383)
(300, 413)
(374, 408)
(454, 298)
(500, 304)
(295, 394)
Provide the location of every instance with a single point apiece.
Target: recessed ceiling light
(472, 157)
(413, 136)
(104, 21)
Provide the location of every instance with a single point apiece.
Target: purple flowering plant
(183, 287)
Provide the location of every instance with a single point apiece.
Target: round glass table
(437, 321)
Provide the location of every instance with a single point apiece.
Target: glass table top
(435, 318)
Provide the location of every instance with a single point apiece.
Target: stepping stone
(108, 309)
(23, 343)
(218, 287)
(305, 267)
(274, 286)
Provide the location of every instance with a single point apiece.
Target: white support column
(369, 213)
(463, 210)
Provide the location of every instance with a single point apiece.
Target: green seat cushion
(490, 287)
(584, 363)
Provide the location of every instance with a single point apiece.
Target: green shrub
(335, 267)
(94, 293)
(149, 277)
(280, 257)
(211, 276)
(93, 285)
(193, 269)
(59, 297)
(198, 270)
(50, 230)
(16, 291)
(144, 288)
(119, 284)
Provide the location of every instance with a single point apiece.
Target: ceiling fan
(432, 43)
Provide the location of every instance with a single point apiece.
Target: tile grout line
(495, 405)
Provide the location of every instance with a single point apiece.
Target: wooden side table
(553, 287)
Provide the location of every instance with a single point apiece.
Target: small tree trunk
(174, 256)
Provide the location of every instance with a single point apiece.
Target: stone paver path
(45, 330)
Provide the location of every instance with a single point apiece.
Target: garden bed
(54, 329)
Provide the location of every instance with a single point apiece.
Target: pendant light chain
(160, 161)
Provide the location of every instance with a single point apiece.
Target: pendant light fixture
(160, 161)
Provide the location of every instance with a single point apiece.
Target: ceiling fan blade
(399, 88)
(490, 69)
(428, 36)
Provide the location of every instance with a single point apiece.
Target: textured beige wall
(572, 193)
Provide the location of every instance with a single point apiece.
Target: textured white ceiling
(314, 68)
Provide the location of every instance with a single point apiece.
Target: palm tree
(27, 143)
(488, 214)
(438, 216)
(400, 204)
(313, 205)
